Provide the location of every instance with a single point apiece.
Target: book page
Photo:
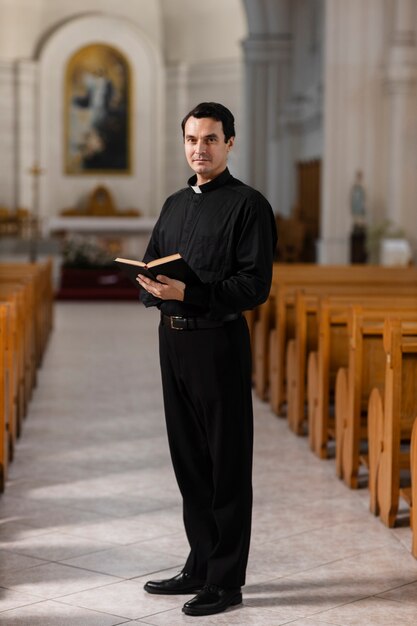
(130, 262)
(165, 259)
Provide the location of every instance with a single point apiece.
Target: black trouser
(206, 378)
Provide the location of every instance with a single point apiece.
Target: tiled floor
(92, 510)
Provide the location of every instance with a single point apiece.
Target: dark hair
(215, 111)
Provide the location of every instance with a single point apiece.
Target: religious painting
(98, 112)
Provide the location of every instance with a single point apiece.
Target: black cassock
(226, 232)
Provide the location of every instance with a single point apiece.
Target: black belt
(176, 322)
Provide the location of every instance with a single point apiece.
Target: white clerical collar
(196, 189)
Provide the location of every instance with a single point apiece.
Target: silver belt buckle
(173, 320)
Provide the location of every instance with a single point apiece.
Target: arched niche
(141, 186)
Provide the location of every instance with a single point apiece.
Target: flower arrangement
(83, 252)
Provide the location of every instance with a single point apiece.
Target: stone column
(354, 123)
(177, 170)
(267, 53)
(266, 86)
(401, 80)
(28, 129)
(7, 135)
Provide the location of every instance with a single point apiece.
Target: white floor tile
(55, 546)
(10, 599)
(53, 580)
(10, 561)
(126, 561)
(127, 599)
(51, 613)
(371, 611)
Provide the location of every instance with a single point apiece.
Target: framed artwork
(98, 88)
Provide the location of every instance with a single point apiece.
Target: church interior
(92, 95)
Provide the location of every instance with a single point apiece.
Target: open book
(173, 266)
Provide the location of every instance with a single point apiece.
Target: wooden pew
(10, 363)
(4, 453)
(280, 334)
(261, 333)
(275, 319)
(9, 381)
(26, 317)
(390, 419)
(307, 337)
(304, 342)
(12, 281)
(38, 279)
(413, 464)
(14, 295)
(273, 372)
(365, 370)
(250, 317)
(332, 354)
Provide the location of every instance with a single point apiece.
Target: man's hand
(167, 289)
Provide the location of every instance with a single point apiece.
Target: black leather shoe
(181, 583)
(212, 599)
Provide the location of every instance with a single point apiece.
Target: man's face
(205, 148)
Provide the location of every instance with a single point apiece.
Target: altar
(124, 232)
(92, 236)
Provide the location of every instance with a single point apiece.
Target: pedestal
(358, 252)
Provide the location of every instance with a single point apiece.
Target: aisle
(92, 509)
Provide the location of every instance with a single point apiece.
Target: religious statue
(358, 202)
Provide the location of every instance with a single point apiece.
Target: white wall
(24, 23)
(202, 31)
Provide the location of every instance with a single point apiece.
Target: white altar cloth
(101, 225)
